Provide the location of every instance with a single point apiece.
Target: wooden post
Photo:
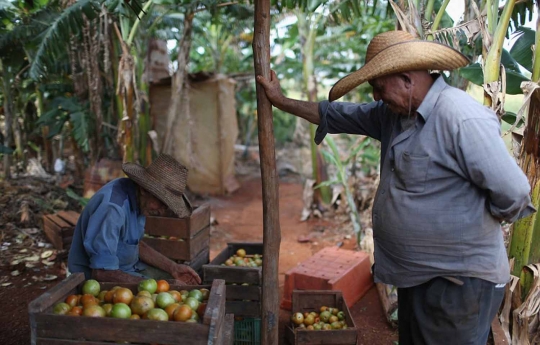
(270, 183)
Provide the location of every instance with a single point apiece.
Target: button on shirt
(108, 231)
(445, 180)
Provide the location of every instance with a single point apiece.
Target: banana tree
(312, 21)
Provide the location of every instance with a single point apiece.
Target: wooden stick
(271, 229)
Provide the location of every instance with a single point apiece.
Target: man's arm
(306, 110)
(179, 272)
(114, 276)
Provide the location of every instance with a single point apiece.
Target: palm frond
(56, 37)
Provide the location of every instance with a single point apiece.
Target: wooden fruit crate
(312, 300)
(242, 300)
(59, 228)
(190, 235)
(50, 329)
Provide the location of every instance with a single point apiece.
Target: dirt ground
(237, 217)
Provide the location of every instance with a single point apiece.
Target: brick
(331, 268)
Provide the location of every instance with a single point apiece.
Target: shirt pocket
(128, 255)
(411, 172)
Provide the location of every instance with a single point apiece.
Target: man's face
(392, 90)
(152, 206)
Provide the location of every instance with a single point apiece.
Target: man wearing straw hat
(447, 180)
(107, 242)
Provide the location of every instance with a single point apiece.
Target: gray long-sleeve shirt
(444, 182)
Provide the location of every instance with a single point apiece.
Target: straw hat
(395, 52)
(166, 179)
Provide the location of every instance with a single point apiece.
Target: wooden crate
(59, 228)
(192, 234)
(312, 300)
(49, 329)
(242, 300)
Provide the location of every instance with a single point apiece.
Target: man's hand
(272, 88)
(185, 274)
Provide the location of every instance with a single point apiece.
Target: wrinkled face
(393, 91)
(152, 206)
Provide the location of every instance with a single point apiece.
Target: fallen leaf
(15, 273)
(50, 277)
(47, 254)
(32, 258)
(23, 251)
(6, 284)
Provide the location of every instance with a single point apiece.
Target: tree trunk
(308, 33)
(8, 114)
(178, 87)
(270, 182)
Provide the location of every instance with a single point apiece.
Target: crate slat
(53, 232)
(228, 330)
(240, 292)
(181, 250)
(247, 275)
(110, 329)
(71, 217)
(243, 308)
(51, 341)
(180, 227)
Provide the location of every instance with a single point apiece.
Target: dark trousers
(441, 311)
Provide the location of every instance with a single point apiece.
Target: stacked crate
(184, 240)
(244, 291)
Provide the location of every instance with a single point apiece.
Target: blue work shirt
(108, 232)
(446, 180)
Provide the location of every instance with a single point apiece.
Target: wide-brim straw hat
(166, 179)
(396, 52)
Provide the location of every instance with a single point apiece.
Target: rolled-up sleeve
(350, 118)
(484, 157)
(102, 234)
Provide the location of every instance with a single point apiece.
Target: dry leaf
(15, 273)
(50, 277)
(47, 254)
(33, 258)
(6, 284)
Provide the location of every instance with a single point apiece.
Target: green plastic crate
(247, 331)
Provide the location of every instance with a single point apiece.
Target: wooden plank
(215, 311)
(181, 250)
(334, 337)
(248, 275)
(313, 300)
(228, 330)
(242, 292)
(70, 217)
(110, 329)
(52, 232)
(184, 228)
(48, 298)
(243, 308)
(50, 341)
(215, 301)
(59, 221)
